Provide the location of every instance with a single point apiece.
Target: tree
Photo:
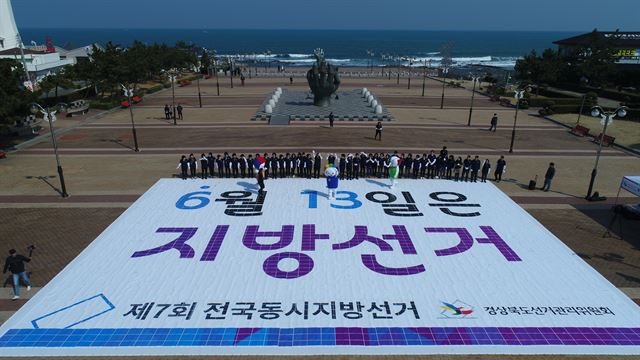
(597, 62)
(15, 97)
(55, 81)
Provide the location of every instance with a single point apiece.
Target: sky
(536, 15)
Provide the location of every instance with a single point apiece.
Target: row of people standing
(301, 164)
(351, 166)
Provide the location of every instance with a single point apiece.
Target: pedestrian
(451, 163)
(227, 165)
(281, 166)
(317, 164)
(423, 165)
(260, 178)
(475, 168)
(15, 264)
(193, 166)
(179, 111)
(486, 167)
(242, 162)
(204, 166)
(356, 167)
(167, 112)
(183, 165)
(273, 168)
(235, 166)
(466, 167)
(494, 123)
(331, 119)
(250, 172)
(290, 80)
(457, 167)
(241, 80)
(342, 166)
(416, 166)
(350, 167)
(378, 130)
(220, 165)
(288, 163)
(551, 172)
(211, 161)
(501, 167)
(431, 165)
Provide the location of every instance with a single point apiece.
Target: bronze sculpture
(323, 80)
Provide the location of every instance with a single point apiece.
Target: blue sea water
(343, 47)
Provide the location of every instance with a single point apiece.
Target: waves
(432, 59)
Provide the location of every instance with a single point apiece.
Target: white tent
(631, 184)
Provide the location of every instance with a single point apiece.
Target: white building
(38, 60)
(9, 37)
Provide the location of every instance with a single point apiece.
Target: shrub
(154, 89)
(105, 104)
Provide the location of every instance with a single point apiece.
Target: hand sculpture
(323, 80)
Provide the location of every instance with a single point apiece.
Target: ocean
(341, 47)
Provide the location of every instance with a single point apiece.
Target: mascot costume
(331, 172)
(393, 170)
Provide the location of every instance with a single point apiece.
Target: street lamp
(424, 75)
(35, 109)
(128, 92)
(398, 59)
(473, 93)
(445, 70)
(198, 75)
(518, 95)
(229, 59)
(607, 118)
(173, 75)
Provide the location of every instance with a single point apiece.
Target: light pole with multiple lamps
(473, 93)
(607, 119)
(35, 109)
(173, 75)
(519, 95)
(128, 92)
(445, 70)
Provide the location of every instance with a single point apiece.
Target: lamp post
(36, 108)
(424, 76)
(444, 82)
(473, 93)
(398, 59)
(607, 118)
(128, 92)
(173, 74)
(518, 95)
(196, 69)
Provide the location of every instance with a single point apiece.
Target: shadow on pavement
(626, 229)
(45, 179)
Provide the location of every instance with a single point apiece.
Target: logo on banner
(456, 310)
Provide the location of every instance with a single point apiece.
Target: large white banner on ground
(429, 267)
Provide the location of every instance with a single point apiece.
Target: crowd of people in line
(430, 165)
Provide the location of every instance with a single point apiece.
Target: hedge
(104, 104)
(543, 102)
(154, 89)
(553, 94)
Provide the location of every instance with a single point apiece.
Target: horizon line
(294, 29)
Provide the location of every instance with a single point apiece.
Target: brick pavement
(102, 183)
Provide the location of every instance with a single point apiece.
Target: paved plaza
(104, 176)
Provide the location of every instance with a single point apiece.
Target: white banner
(429, 267)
